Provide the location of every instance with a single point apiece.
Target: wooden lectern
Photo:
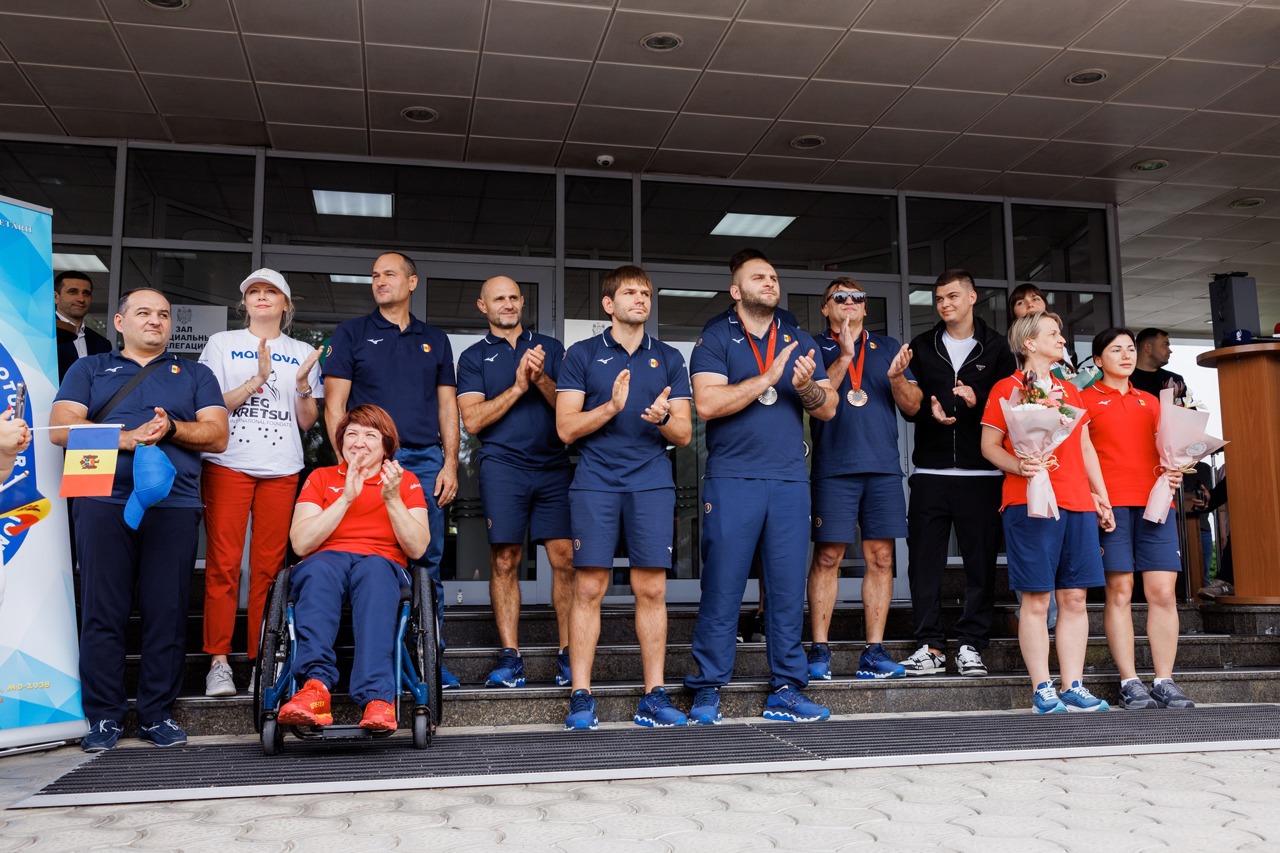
(1249, 393)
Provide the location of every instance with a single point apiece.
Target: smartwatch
(665, 419)
(173, 428)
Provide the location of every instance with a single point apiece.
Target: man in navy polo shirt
(392, 359)
(507, 394)
(755, 489)
(178, 407)
(624, 397)
(857, 481)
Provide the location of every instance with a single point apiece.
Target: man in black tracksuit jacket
(955, 364)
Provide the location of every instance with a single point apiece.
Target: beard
(759, 305)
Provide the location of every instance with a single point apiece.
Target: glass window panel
(681, 316)
(830, 231)
(432, 210)
(1061, 244)
(77, 182)
(949, 233)
(597, 218)
(1083, 316)
(189, 278)
(189, 196)
(94, 262)
(582, 294)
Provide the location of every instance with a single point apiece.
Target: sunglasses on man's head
(840, 297)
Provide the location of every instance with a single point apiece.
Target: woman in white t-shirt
(267, 380)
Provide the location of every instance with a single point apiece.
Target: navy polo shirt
(762, 442)
(628, 452)
(732, 311)
(397, 370)
(525, 437)
(859, 440)
(180, 386)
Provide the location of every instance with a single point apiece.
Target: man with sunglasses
(857, 481)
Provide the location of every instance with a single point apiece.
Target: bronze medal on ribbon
(857, 397)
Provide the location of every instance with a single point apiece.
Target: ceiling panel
(1122, 69)
(301, 137)
(972, 151)
(37, 39)
(882, 58)
(81, 122)
(313, 105)
(1024, 184)
(606, 125)
(1174, 198)
(1102, 190)
(557, 32)
(582, 155)
(754, 96)
(14, 88)
(385, 107)
(1251, 35)
(936, 19)
(706, 8)
(1210, 131)
(217, 130)
(777, 141)
(198, 97)
(525, 152)
(707, 164)
(1259, 94)
(897, 146)
(201, 15)
(1155, 27)
(450, 24)
(1036, 117)
(89, 9)
(1179, 83)
(1037, 22)
(951, 180)
(424, 146)
(1194, 225)
(723, 134)
(305, 61)
(935, 109)
(392, 68)
(639, 87)
(1121, 124)
(318, 19)
(89, 88)
(760, 167)
(986, 66)
(1230, 170)
(870, 175)
(701, 36)
(1070, 158)
(841, 103)
(27, 119)
(186, 53)
(522, 78)
(520, 120)
(793, 51)
(809, 13)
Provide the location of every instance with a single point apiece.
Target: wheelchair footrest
(337, 732)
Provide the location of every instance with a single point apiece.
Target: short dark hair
(405, 260)
(373, 417)
(742, 256)
(842, 281)
(1148, 334)
(1022, 291)
(70, 275)
(627, 272)
(1103, 339)
(123, 304)
(956, 274)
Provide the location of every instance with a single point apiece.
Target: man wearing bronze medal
(754, 377)
(857, 479)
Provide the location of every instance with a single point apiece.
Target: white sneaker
(219, 681)
(969, 662)
(925, 662)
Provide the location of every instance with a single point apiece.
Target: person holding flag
(14, 438)
(142, 534)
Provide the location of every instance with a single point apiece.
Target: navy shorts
(644, 520)
(1045, 555)
(517, 500)
(872, 503)
(1140, 545)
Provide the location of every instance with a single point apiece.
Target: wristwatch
(306, 395)
(173, 428)
(665, 419)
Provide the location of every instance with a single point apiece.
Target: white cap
(270, 277)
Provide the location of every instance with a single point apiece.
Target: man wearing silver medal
(754, 376)
(857, 481)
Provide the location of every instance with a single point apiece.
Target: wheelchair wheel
(421, 730)
(273, 650)
(272, 737)
(426, 642)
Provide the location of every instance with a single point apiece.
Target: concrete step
(745, 698)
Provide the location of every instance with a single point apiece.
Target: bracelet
(250, 387)
(306, 395)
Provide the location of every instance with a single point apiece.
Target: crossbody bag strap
(125, 390)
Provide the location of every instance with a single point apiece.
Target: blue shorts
(1140, 545)
(517, 500)
(1045, 555)
(872, 503)
(644, 520)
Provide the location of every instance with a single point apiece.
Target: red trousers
(229, 497)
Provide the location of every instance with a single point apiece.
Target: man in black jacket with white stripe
(955, 364)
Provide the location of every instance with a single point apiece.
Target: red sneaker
(379, 716)
(308, 707)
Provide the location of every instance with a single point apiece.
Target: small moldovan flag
(89, 468)
(20, 500)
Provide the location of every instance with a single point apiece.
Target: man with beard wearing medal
(754, 376)
(857, 480)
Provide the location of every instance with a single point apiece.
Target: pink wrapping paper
(1035, 434)
(1181, 442)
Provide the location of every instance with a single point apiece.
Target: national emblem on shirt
(653, 362)
(173, 368)
(786, 339)
(426, 347)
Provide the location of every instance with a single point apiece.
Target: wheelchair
(417, 662)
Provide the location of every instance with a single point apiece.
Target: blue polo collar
(492, 339)
(415, 325)
(734, 321)
(607, 336)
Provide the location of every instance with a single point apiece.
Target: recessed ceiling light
(422, 115)
(688, 294)
(1087, 77)
(661, 42)
(1246, 203)
(79, 263)
(351, 279)
(751, 225)
(808, 142)
(335, 203)
(167, 5)
(1150, 166)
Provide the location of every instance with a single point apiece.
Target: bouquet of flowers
(1181, 442)
(1038, 422)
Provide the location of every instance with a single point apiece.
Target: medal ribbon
(855, 371)
(773, 339)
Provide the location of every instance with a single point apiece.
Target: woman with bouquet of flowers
(1123, 423)
(1052, 545)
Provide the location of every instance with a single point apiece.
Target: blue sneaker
(564, 677)
(820, 661)
(448, 681)
(706, 707)
(102, 736)
(875, 663)
(1078, 698)
(509, 672)
(787, 703)
(582, 712)
(164, 733)
(657, 712)
(1045, 700)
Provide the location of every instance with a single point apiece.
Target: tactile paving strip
(240, 770)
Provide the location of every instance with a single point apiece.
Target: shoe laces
(658, 699)
(169, 723)
(103, 724)
(1047, 693)
(580, 701)
(508, 660)
(875, 653)
(1081, 691)
(706, 696)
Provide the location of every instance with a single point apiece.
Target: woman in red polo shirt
(358, 524)
(1047, 556)
(1123, 423)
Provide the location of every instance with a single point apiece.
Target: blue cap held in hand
(153, 476)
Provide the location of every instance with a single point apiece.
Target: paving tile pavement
(1192, 801)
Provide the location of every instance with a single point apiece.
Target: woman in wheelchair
(357, 524)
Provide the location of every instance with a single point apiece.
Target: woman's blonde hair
(286, 319)
(1028, 327)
